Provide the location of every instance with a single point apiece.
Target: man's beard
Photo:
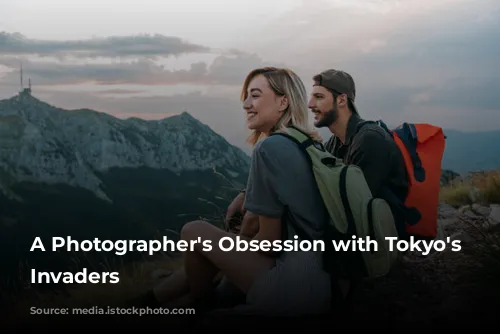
(328, 119)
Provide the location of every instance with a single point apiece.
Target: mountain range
(471, 151)
(87, 174)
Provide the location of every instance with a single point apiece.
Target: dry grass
(484, 188)
(456, 195)
(491, 191)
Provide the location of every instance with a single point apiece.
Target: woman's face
(263, 107)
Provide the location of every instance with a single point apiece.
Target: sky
(412, 60)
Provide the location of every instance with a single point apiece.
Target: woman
(281, 187)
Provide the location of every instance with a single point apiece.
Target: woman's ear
(284, 103)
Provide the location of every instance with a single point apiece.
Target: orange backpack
(422, 146)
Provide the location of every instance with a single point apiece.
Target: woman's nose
(247, 104)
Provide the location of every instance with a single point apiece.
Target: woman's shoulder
(276, 145)
(282, 152)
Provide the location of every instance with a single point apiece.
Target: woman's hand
(235, 207)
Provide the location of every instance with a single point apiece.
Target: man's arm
(371, 152)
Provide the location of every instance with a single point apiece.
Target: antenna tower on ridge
(26, 91)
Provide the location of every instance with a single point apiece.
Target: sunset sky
(434, 61)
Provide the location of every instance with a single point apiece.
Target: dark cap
(338, 81)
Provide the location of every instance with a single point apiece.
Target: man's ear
(342, 100)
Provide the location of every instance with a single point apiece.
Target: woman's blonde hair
(284, 82)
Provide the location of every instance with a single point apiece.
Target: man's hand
(235, 207)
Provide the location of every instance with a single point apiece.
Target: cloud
(449, 63)
(233, 70)
(121, 91)
(225, 70)
(337, 32)
(475, 94)
(116, 46)
(418, 61)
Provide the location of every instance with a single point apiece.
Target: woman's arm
(249, 225)
(265, 185)
(269, 229)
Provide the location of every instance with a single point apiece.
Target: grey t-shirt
(281, 182)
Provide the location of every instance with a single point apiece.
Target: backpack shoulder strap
(408, 135)
(304, 141)
(300, 138)
(378, 122)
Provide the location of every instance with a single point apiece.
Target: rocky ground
(446, 289)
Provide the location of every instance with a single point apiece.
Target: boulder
(446, 211)
(494, 217)
(474, 195)
(474, 211)
(481, 210)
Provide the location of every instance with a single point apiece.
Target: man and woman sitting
(281, 188)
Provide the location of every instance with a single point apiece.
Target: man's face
(323, 107)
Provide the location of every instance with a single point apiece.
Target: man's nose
(310, 104)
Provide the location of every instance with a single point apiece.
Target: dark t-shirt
(376, 153)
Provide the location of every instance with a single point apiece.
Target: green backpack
(354, 213)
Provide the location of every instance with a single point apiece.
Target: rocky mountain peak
(43, 143)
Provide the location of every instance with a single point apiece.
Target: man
(368, 146)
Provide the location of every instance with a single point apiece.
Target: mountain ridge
(43, 143)
(466, 151)
(87, 174)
